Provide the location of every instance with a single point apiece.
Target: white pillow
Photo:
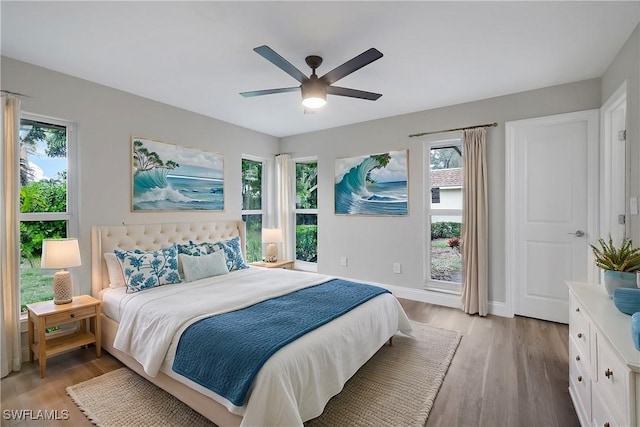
(114, 268)
(199, 267)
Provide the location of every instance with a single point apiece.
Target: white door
(551, 190)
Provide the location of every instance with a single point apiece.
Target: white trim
(612, 104)
(511, 235)
(496, 308)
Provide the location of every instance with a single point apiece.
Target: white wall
(626, 66)
(106, 119)
(373, 244)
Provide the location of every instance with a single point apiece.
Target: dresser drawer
(55, 319)
(579, 382)
(602, 415)
(612, 380)
(579, 329)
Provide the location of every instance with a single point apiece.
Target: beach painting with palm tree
(168, 177)
(373, 184)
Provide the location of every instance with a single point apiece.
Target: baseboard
(444, 299)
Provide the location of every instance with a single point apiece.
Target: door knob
(578, 233)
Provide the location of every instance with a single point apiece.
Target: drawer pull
(578, 358)
(608, 373)
(607, 424)
(578, 310)
(73, 315)
(579, 378)
(580, 335)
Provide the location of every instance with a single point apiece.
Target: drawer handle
(578, 358)
(73, 315)
(580, 335)
(607, 424)
(579, 378)
(608, 373)
(578, 310)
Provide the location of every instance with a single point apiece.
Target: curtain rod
(488, 125)
(8, 92)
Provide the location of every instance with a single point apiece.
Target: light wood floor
(506, 372)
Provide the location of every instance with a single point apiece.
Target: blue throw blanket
(225, 352)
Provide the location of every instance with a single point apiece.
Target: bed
(293, 385)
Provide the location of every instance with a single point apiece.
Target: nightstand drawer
(79, 313)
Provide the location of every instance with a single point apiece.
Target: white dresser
(604, 365)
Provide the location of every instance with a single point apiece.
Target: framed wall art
(374, 184)
(168, 177)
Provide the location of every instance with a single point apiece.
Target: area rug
(396, 387)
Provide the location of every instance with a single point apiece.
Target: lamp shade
(271, 235)
(60, 253)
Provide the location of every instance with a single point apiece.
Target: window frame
(263, 210)
(71, 214)
(429, 283)
(299, 264)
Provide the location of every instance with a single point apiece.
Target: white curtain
(284, 180)
(475, 222)
(9, 240)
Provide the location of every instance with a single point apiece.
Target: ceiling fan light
(314, 93)
(314, 102)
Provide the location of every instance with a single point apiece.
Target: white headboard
(151, 237)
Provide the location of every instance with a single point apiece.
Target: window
(306, 210)
(444, 215)
(47, 202)
(252, 206)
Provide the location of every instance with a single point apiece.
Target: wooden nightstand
(287, 264)
(46, 314)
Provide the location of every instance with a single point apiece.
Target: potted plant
(620, 264)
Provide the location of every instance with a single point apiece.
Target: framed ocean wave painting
(168, 177)
(374, 184)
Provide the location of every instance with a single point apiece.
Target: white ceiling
(199, 55)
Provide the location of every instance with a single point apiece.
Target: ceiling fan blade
(352, 65)
(269, 91)
(353, 93)
(270, 55)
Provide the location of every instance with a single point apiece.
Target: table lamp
(61, 253)
(271, 236)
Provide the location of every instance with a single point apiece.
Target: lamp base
(62, 289)
(272, 253)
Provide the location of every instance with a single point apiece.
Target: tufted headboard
(152, 237)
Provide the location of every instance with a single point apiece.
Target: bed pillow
(201, 266)
(114, 269)
(144, 270)
(191, 249)
(232, 253)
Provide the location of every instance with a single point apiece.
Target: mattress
(325, 358)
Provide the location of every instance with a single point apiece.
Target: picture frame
(373, 184)
(169, 177)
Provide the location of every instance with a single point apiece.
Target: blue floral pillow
(144, 270)
(192, 249)
(232, 252)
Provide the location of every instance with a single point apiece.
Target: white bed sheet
(297, 382)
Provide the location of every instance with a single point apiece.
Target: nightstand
(287, 264)
(43, 315)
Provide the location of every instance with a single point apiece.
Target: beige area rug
(397, 387)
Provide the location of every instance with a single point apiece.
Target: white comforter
(297, 382)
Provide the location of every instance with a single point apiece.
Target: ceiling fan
(315, 89)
